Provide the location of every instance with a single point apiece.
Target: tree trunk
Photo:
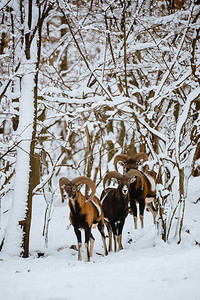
(17, 232)
(32, 180)
(182, 200)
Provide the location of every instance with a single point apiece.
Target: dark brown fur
(140, 193)
(83, 214)
(115, 204)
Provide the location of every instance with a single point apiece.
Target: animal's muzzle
(125, 190)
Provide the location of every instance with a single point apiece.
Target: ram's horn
(121, 157)
(63, 181)
(86, 180)
(138, 156)
(135, 173)
(112, 174)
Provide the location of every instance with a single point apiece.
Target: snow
(18, 209)
(166, 75)
(183, 117)
(147, 268)
(139, 274)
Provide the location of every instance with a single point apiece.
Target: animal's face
(69, 191)
(124, 186)
(125, 190)
(131, 164)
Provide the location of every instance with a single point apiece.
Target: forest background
(82, 81)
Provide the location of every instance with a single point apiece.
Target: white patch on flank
(104, 197)
(97, 206)
(133, 179)
(94, 226)
(152, 182)
(149, 199)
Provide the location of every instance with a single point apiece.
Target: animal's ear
(132, 179)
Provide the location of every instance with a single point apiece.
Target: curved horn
(88, 181)
(134, 173)
(112, 174)
(120, 157)
(139, 156)
(63, 181)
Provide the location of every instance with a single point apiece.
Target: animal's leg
(109, 235)
(141, 208)
(87, 238)
(92, 239)
(120, 228)
(152, 209)
(115, 242)
(78, 235)
(110, 239)
(115, 235)
(134, 210)
(101, 229)
(117, 231)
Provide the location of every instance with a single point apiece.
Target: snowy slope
(146, 268)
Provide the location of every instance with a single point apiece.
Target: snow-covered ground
(146, 268)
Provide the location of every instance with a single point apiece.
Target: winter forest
(81, 82)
